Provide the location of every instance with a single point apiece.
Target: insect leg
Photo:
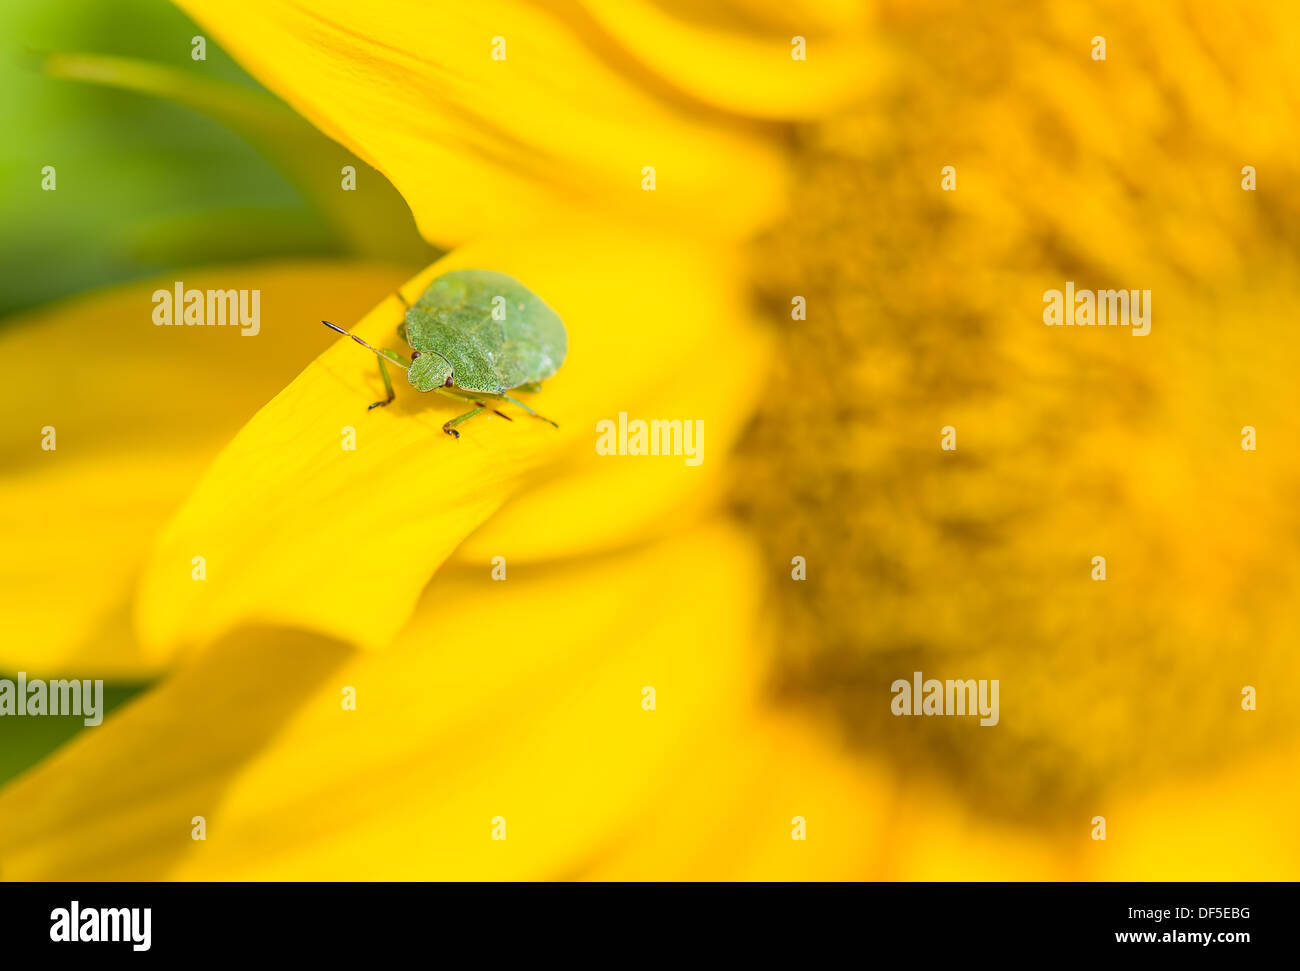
(457, 393)
(516, 401)
(388, 386)
(450, 427)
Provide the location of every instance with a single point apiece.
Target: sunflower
(353, 691)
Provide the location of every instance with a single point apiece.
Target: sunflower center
(951, 470)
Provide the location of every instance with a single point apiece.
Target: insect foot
(450, 431)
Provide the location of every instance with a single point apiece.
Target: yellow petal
(746, 62)
(730, 811)
(298, 530)
(520, 699)
(137, 411)
(478, 145)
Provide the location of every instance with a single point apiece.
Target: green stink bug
(474, 335)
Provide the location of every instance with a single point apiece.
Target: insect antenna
(386, 355)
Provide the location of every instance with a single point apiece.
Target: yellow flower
(474, 699)
(524, 140)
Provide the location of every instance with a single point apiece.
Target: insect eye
(415, 355)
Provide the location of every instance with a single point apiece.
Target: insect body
(474, 335)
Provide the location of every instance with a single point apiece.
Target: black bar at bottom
(333, 920)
